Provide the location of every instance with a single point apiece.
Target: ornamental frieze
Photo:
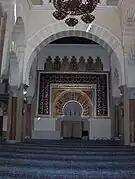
(73, 64)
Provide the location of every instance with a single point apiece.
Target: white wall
(115, 79)
(43, 16)
(44, 124)
(100, 128)
(131, 74)
(45, 129)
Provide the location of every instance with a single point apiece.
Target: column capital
(22, 86)
(14, 90)
(117, 100)
(21, 48)
(3, 108)
(131, 93)
(121, 88)
(29, 99)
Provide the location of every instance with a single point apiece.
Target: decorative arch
(58, 30)
(71, 104)
(79, 96)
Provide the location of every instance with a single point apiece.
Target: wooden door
(67, 129)
(76, 129)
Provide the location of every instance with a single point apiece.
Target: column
(19, 121)
(14, 82)
(132, 114)
(125, 117)
(115, 117)
(12, 110)
(1, 122)
(28, 118)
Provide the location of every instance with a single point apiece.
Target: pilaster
(19, 114)
(125, 116)
(131, 95)
(115, 113)
(28, 117)
(20, 54)
(1, 121)
(12, 110)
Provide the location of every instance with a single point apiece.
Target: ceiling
(103, 2)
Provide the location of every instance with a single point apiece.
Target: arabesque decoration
(98, 79)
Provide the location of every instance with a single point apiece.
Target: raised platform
(51, 129)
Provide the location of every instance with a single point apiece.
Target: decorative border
(87, 85)
(99, 79)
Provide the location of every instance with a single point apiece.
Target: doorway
(71, 126)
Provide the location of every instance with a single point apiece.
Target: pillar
(1, 122)
(12, 110)
(28, 117)
(132, 115)
(125, 117)
(115, 116)
(17, 115)
(19, 121)
(14, 82)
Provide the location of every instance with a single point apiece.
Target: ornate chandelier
(71, 8)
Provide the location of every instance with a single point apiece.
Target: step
(67, 145)
(73, 141)
(62, 148)
(84, 153)
(64, 172)
(66, 158)
(69, 164)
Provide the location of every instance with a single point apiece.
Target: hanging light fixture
(72, 8)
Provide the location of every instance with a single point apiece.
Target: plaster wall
(23, 10)
(100, 128)
(39, 14)
(131, 74)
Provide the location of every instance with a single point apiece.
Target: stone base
(12, 141)
(132, 144)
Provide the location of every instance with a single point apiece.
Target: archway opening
(72, 108)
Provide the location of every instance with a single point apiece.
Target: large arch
(58, 30)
